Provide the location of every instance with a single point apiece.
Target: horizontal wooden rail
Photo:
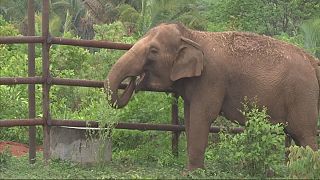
(120, 125)
(20, 122)
(65, 41)
(94, 83)
(91, 123)
(21, 39)
(136, 126)
(89, 43)
(64, 82)
(77, 82)
(20, 80)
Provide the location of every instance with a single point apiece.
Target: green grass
(19, 168)
(151, 158)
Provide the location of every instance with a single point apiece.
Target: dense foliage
(256, 151)
(294, 21)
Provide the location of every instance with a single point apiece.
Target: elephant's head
(161, 57)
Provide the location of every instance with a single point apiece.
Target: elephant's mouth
(140, 81)
(145, 83)
(132, 83)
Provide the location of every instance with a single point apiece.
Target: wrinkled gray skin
(213, 72)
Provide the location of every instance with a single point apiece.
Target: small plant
(105, 118)
(304, 163)
(256, 151)
(5, 156)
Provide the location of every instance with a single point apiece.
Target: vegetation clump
(255, 152)
(5, 157)
(304, 163)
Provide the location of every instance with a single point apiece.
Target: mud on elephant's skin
(213, 72)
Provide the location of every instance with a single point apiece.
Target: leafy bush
(254, 152)
(296, 40)
(7, 29)
(115, 32)
(13, 101)
(304, 163)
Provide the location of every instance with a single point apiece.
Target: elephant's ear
(189, 61)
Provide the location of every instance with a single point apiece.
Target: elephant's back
(259, 48)
(261, 55)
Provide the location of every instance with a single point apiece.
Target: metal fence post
(46, 78)
(175, 121)
(31, 87)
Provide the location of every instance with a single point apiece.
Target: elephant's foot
(194, 166)
(190, 170)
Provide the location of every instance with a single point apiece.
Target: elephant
(213, 72)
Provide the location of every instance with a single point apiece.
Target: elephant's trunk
(129, 65)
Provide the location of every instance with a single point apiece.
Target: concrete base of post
(81, 145)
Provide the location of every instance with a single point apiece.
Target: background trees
(297, 20)
(270, 17)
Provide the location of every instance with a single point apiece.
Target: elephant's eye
(154, 50)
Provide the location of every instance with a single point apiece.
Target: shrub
(254, 152)
(7, 29)
(304, 163)
(4, 157)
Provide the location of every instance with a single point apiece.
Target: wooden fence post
(31, 87)
(46, 84)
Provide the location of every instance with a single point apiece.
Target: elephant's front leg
(197, 120)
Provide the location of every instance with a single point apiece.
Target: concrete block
(72, 143)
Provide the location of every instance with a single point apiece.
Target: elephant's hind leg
(302, 124)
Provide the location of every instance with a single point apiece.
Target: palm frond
(311, 32)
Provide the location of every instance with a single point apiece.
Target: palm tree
(102, 11)
(65, 15)
(311, 32)
(185, 11)
(13, 10)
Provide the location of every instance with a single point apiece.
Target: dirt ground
(16, 149)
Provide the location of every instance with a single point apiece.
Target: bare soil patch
(16, 149)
